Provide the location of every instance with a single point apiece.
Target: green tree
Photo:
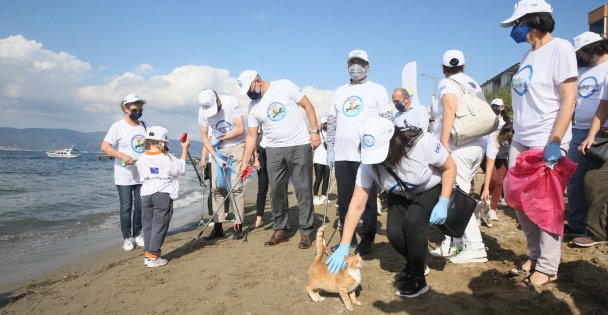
(503, 93)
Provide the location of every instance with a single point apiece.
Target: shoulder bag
(598, 152)
(474, 117)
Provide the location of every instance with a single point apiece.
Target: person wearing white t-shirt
(417, 173)
(223, 114)
(409, 113)
(543, 95)
(592, 56)
(159, 171)
(468, 156)
(352, 104)
(125, 142)
(322, 171)
(277, 108)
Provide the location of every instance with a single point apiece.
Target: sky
(68, 64)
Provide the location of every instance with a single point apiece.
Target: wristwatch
(315, 131)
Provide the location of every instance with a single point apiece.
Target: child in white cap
(158, 170)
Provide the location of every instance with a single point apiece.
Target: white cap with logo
(524, 7)
(585, 39)
(453, 58)
(375, 135)
(358, 53)
(245, 79)
(132, 98)
(157, 133)
(497, 101)
(208, 102)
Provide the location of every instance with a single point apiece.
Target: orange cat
(344, 283)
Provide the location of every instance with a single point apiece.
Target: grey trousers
(597, 200)
(544, 247)
(157, 210)
(296, 163)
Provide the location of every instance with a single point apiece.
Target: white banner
(409, 81)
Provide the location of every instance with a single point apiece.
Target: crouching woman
(418, 173)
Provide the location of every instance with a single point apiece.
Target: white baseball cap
(358, 53)
(375, 135)
(132, 98)
(585, 39)
(157, 133)
(245, 79)
(524, 7)
(451, 54)
(208, 102)
(497, 101)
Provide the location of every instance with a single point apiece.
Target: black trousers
(321, 174)
(406, 227)
(262, 183)
(346, 173)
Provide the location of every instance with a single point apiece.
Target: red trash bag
(538, 190)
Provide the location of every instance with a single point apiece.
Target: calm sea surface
(46, 200)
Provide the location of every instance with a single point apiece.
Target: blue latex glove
(335, 262)
(331, 158)
(553, 153)
(215, 141)
(220, 162)
(440, 211)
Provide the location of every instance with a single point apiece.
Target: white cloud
(46, 89)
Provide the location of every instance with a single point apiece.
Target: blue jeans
(129, 199)
(577, 212)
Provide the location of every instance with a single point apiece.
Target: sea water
(48, 204)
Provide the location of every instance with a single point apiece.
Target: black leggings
(321, 173)
(262, 182)
(406, 227)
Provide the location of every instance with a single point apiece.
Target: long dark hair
(401, 144)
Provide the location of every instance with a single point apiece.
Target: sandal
(528, 284)
(521, 271)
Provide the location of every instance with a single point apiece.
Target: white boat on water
(65, 153)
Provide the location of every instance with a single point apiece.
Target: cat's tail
(320, 243)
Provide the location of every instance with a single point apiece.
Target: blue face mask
(519, 32)
(399, 106)
(496, 110)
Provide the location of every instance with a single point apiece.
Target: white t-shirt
(494, 149)
(416, 115)
(223, 121)
(261, 131)
(129, 140)
(535, 92)
(420, 171)
(447, 86)
(320, 155)
(352, 104)
(159, 173)
(280, 116)
(591, 85)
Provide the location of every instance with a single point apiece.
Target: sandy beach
(236, 277)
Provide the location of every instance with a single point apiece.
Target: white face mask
(357, 72)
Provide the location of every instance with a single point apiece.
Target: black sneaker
(402, 276)
(411, 289)
(217, 232)
(238, 232)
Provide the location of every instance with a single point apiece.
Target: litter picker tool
(243, 176)
(183, 139)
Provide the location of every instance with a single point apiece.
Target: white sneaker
(446, 249)
(470, 255)
(128, 245)
(379, 206)
(315, 201)
(492, 215)
(155, 262)
(322, 199)
(427, 270)
(139, 241)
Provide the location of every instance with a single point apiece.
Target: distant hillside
(55, 139)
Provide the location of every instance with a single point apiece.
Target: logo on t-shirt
(368, 140)
(276, 111)
(137, 143)
(206, 105)
(437, 148)
(223, 126)
(522, 79)
(587, 87)
(353, 106)
(154, 170)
